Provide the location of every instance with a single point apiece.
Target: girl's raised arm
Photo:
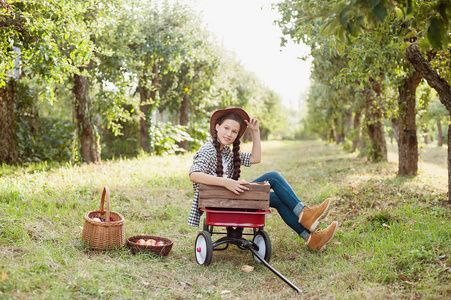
(256, 153)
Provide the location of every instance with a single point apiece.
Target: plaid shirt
(205, 160)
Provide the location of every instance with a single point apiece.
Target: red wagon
(235, 221)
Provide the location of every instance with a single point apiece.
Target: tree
(37, 34)
(99, 21)
(426, 27)
(187, 85)
(374, 49)
(155, 44)
(438, 83)
(305, 21)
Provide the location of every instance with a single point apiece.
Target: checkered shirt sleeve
(205, 161)
(245, 159)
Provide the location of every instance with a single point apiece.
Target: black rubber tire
(203, 248)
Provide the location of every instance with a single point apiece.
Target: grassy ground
(394, 239)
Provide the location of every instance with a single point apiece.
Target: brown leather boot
(318, 240)
(310, 216)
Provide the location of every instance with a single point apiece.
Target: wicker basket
(104, 235)
(159, 250)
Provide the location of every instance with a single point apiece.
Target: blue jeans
(285, 201)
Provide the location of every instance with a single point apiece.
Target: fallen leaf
(386, 226)
(3, 276)
(225, 292)
(337, 243)
(345, 256)
(247, 268)
(403, 277)
(436, 248)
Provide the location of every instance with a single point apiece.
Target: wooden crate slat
(257, 197)
(221, 194)
(254, 186)
(233, 203)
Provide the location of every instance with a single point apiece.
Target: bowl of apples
(155, 244)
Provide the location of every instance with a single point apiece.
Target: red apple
(160, 243)
(141, 242)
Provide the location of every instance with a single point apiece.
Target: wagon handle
(248, 245)
(106, 193)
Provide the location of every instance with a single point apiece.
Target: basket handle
(106, 193)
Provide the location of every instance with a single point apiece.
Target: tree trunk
(440, 133)
(83, 115)
(144, 121)
(408, 142)
(184, 119)
(147, 106)
(426, 136)
(449, 163)
(356, 126)
(440, 85)
(395, 127)
(8, 153)
(374, 116)
(336, 136)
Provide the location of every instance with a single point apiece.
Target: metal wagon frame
(235, 221)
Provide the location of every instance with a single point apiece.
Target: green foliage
(356, 44)
(43, 31)
(165, 138)
(356, 16)
(50, 141)
(163, 50)
(39, 138)
(199, 133)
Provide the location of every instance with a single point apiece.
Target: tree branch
(432, 77)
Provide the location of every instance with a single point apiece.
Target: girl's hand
(252, 124)
(235, 186)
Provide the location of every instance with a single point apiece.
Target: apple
(160, 243)
(95, 219)
(151, 242)
(141, 242)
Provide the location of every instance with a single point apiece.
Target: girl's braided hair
(236, 148)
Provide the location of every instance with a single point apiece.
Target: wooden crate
(257, 197)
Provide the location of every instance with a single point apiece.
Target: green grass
(394, 239)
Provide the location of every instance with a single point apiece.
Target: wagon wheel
(203, 248)
(261, 239)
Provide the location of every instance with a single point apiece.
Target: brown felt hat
(229, 110)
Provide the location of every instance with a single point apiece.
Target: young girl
(216, 164)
